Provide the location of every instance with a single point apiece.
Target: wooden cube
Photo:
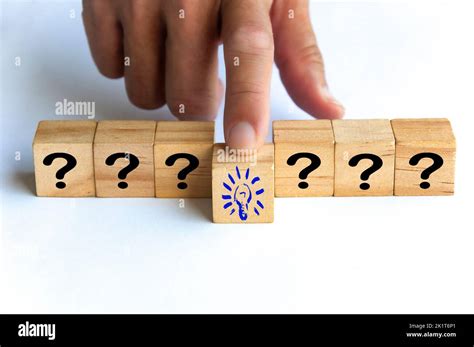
(242, 185)
(183, 159)
(304, 158)
(364, 157)
(63, 158)
(425, 157)
(123, 158)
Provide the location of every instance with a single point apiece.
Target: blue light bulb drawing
(244, 194)
(242, 197)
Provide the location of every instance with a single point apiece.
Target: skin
(173, 60)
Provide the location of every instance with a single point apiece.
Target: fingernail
(328, 96)
(242, 136)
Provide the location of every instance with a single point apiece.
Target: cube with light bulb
(242, 184)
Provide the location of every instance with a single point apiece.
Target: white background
(321, 255)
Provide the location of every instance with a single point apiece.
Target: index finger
(248, 53)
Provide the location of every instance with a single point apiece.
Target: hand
(167, 51)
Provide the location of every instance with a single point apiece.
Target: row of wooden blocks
(178, 159)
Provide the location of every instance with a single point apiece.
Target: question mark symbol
(315, 162)
(193, 164)
(134, 162)
(377, 163)
(437, 163)
(71, 163)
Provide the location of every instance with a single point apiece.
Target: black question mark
(193, 164)
(134, 162)
(315, 162)
(437, 163)
(364, 176)
(71, 163)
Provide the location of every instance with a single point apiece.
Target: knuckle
(311, 55)
(140, 12)
(250, 38)
(247, 89)
(182, 18)
(136, 11)
(308, 55)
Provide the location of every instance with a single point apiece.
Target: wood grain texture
(429, 135)
(135, 137)
(354, 137)
(191, 132)
(71, 137)
(242, 191)
(191, 137)
(301, 136)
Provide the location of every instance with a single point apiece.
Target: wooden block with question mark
(183, 159)
(123, 158)
(425, 156)
(63, 158)
(242, 185)
(304, 158)
(364, 157)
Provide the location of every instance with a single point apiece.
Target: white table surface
(321, 255)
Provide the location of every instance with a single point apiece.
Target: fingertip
(242, 136)
(310, 92)
(331, 107)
